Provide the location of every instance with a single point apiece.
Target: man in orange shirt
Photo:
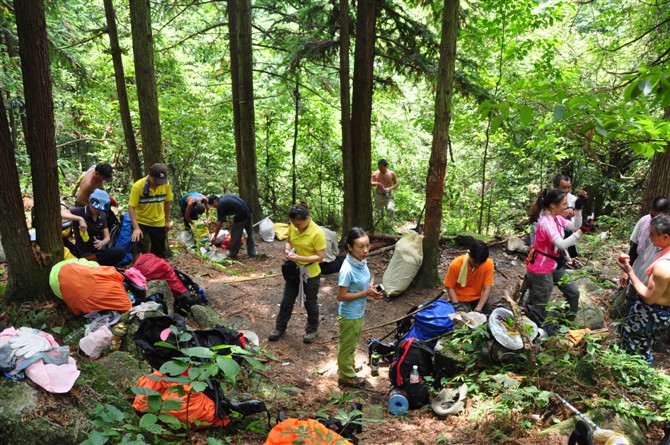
(469, 280)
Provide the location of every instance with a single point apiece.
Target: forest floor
(247, 303)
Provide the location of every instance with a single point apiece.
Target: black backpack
(192, 286)
(148, 334)
(409, 353)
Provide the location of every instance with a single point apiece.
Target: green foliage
(198, 366)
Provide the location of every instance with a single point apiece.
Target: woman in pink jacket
(546, 263)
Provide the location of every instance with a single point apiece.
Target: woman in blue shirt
(353, 292)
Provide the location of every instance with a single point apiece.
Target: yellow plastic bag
(199, 230)
(281, 230)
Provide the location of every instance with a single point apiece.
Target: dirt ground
(247, 301)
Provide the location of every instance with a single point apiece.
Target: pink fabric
(165, 333)
(154, 268)
(96, 342)
(136, 277)
(548, 229)
(662, 255)
(53, 378)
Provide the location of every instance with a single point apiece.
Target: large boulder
(161, 286)
(517, 245)
(590, 316)
(204, 316)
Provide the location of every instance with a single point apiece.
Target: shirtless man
(650, 315)
(94, 178)
(385, 181)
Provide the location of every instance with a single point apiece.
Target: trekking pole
(425, 306)
(576, 411)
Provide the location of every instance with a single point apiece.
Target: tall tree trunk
(247, 179)
(427, 276)
(349, 207)
(124, 109)
(658, 178)
(361, 112)
(31, 266)
(234, 76)
(294, 149)
(147, 96)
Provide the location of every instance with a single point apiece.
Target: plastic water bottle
(398, 403)
(374, 364)
(117, 336)
(132, 297)
(414, 376)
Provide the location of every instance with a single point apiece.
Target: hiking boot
(352, 382)
(309, 337)
(275, 334)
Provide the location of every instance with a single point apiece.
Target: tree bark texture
(349, 207)
(121, 92)
(428, 276)
(147, 96)
(247, 180)
(33, 264)
(361, 112)
(658, 178)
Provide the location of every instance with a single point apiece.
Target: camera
(380, 288)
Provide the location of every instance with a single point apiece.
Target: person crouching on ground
(91, 234)
(650, 315)
(469, 280)
(306, 247)
(546, 263)
(352, 293)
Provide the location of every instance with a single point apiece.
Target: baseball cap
(105, 171)
(99, 200)
(159, 173)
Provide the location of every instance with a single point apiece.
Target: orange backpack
(194, 405)
(307, 431)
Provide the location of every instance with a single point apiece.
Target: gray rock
(517, 245)
(587, 288)
(3, 257)
(448, 361)
(161, 286)
(590, 316)
(204, 316)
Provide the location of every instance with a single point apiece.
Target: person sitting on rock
(91, 233)
(469, 280)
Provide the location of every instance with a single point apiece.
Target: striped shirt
(149, 208)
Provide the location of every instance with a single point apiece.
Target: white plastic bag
(510, 340)
(404, 264)
(266, 230)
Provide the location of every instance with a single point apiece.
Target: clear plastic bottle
(117, 336)
(414, 376)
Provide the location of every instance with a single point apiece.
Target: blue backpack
(432, 322)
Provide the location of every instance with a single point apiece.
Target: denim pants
(291, 288)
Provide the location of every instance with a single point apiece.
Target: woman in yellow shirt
(305, 248)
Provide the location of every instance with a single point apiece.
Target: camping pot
(398, 403)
